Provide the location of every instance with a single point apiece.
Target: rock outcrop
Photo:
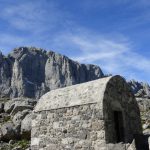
(140, 89)
(142, 93)
(15, 121)
(31, 72)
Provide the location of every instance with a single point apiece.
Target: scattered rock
(11, 142)
(26, 127)
(132, 146)
(19, 108)
(140, 89)
(145, 126)
(19, 116)
(19, 104)
(8, 132)
(9, 106)
(17, 148)
(146, 132)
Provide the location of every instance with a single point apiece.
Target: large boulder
(26, 126)
(9, 106)
(140, 89)
(18, 108)
(143, 103)
(19, 116)
(7, 131)
(19, 104)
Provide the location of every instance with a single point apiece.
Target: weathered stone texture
(31, 72)
(81, 117)
(68, 128)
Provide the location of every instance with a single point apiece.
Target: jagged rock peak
(31, 72)
(140, 89)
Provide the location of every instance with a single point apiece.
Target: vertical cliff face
(31, 72)
(140, 89)
(5, 75)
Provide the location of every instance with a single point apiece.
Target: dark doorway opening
(118, 121)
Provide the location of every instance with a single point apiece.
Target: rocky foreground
(28, 73)
(15, 123)
(16, 116)
(25, 75)
(142, 94)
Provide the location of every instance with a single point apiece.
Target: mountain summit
(31, 72)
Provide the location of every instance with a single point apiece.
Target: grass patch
(23, 144)
(6, 118)
(4, 99)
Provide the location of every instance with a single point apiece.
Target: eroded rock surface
(31, 72)
(142, 93)
(140, 89)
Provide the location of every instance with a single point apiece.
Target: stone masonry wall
(74, 128)
(88, 126)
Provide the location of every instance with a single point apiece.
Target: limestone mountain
(31, 72)
(142, 93)
(140, 89)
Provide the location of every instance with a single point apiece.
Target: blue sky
(114, 34)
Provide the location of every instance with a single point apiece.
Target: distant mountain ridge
(142, 93)
(31, 72)
(140, 89)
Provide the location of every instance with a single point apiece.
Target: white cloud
(33, 16)
(113, 55)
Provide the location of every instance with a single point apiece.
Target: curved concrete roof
(79, 94)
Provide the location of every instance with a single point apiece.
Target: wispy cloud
(29, 23)
(34, 16)
(113, 55)
(49, 25)
(8, 40)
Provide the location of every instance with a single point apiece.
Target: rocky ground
(15, 119)
(142, 94)
(15, 123)
(31, 72)
(45, 71)
(144, 105)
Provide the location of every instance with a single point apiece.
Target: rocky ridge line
(142, 93)
(31, 72)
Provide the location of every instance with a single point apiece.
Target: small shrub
(23, 144)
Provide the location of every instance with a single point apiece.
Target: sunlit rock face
(142, 93)
(140, 89)
(31, 72)
(97, 115)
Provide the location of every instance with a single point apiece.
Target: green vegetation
(6, 118)
(145, 118)
(5, 99)
(23, 144)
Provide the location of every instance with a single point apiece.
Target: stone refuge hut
(86, 116)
